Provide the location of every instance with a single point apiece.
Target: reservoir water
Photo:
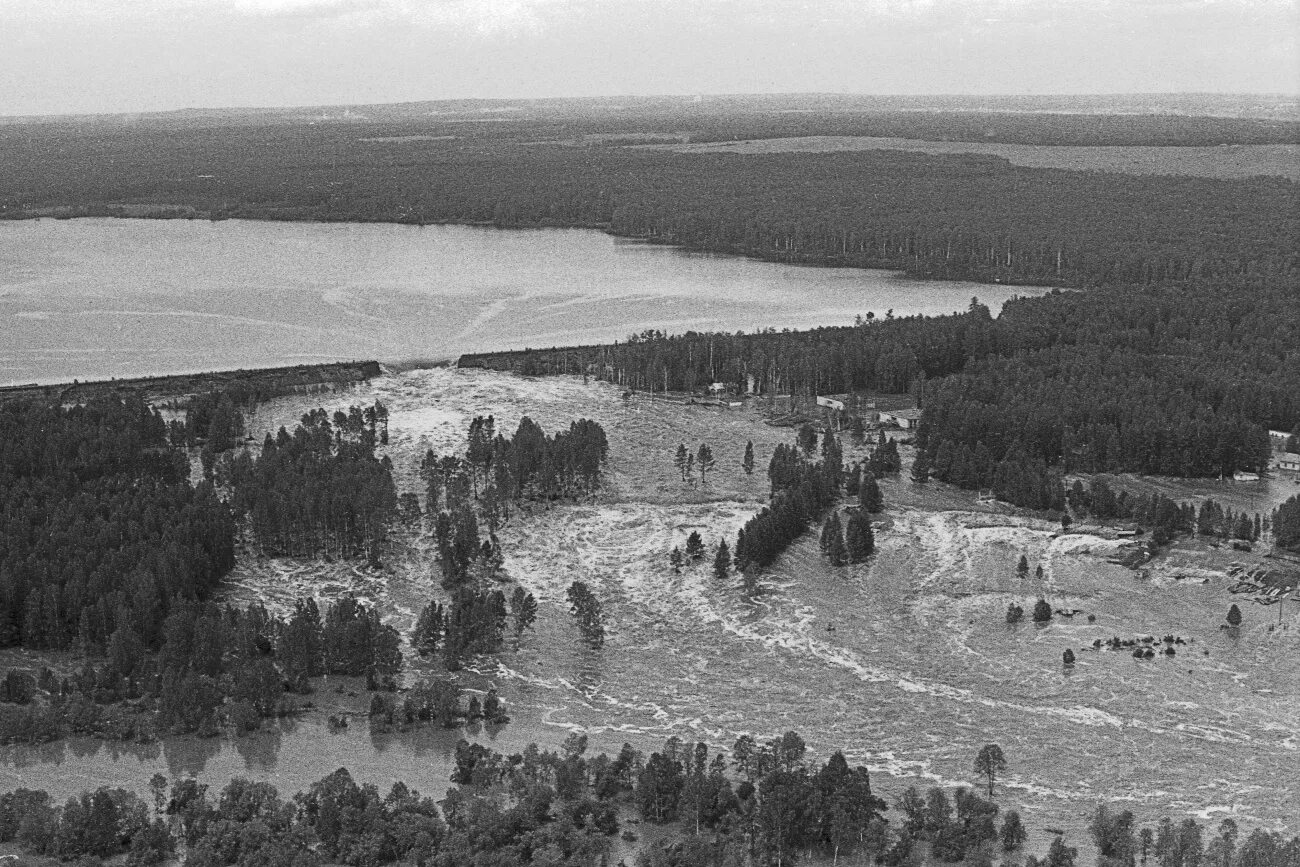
(96, 298)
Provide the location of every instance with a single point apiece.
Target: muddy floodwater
(906, 662)
(95, 298)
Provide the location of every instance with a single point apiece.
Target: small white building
(1289, 461)
(1243, 476)
(831, 403)
(904, 418)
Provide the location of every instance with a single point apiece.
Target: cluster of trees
(320, 491)
(687, 462)
(463, 558)
(495, 472)
(436, 701)
(215, 668)
(848, 542)
(100, 529)
(1164, 516)
(802, 491)
(861, 483)
(1286, 525)
(530, 465)
(472, 622)
(212, 419)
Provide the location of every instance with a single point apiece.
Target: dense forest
(320, 490)
(100, 529)
(767, 803)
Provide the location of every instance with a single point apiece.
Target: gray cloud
(125, 55)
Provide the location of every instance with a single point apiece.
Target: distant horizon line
(685, 97)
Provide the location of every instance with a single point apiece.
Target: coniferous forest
(320, 490)
(100, 529)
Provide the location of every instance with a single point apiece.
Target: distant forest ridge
(1260, 106)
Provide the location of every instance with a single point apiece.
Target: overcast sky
(60, 56)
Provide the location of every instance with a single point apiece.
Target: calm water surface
(100, 297)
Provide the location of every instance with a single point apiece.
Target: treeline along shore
(257, 384)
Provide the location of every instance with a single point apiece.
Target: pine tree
(722, 560)
(694, 545)
(523, 607)
(833, 540)
(676, 559)
(807, 439)
(1042, 611)
(859, 538)
(1234, 615)
(869, 495)
(704, 460)
(1022, 568)
(748, 463)
(921, 467)
(679, 460)
(428, 630)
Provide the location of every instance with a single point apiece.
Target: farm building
(1243, 476)
(1289, 461)
(904, 418)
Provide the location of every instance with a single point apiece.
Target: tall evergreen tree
(859, 538)
(722, 560)
(869, 495)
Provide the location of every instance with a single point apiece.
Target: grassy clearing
(1234, 161)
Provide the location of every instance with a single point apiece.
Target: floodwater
(95, 298)
(919, 671)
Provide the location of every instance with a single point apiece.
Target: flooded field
(905, 662)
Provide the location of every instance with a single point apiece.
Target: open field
(919, 671)
(1228, 161)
